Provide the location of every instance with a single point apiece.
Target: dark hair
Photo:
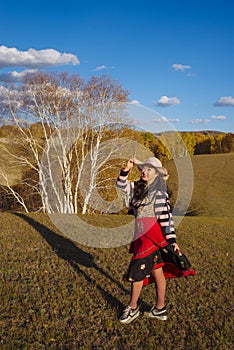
(142, 188)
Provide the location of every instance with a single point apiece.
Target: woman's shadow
(76, 257)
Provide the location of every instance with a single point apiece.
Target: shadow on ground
(77, 258)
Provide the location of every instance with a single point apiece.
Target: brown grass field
(58, 294)
(8, 147)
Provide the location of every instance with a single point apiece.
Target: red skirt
(148, 237)
(146, 249)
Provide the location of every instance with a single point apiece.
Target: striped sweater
(161, 205)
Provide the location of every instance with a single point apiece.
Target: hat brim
(161, 170)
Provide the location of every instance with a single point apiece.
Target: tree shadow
(76, 257)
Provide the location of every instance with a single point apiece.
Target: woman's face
(149, 174)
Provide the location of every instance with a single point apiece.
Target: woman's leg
(160, 286)
(135, 293)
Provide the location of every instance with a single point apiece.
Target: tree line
(170, 144)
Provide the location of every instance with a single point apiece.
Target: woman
(154, 230)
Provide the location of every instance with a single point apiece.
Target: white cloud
(207, 121)
(134, 102)
(218, 117)
(174, 120)
(180, 67)
(199, 121)
(165, 101)
(14, 76)
(11, 57)
(103, 67)
(225, 101)
(161, 120)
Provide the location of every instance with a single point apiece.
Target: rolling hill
(213, 189)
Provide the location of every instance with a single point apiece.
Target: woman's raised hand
(129, 165)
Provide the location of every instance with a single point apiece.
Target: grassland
(213, 177)
(57, 294)
(8, 147)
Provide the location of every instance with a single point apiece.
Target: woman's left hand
(176, 247)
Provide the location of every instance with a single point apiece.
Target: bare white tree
(61, 123)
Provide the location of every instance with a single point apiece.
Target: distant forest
(196, 142)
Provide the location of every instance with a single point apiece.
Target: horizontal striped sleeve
(125, 186)
(164, 216)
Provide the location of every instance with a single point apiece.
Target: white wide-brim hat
(154, 162)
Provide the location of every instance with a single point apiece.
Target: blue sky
(175, 57)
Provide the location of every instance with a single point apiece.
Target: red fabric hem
(170, 271)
